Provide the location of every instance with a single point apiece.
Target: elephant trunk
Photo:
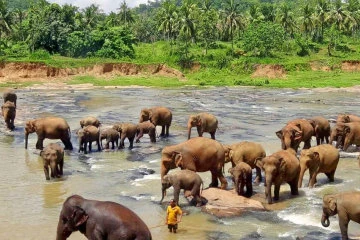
(163, 194)
(163, 171)
(301, 176)
(286, 143)
(268, 189)
(26, 139)
(61, 234)
(189, 131)
(325, 220)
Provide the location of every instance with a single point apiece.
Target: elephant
(89, 121)
(337, 134)
(248, 152)
(204, 122)
(345, 205)
(295, 132)
(196, 154)
(345, 118)
(281, 166)
(126, 130)
(319, 159)
(86, 136)
(53, 156)
(351, 134)
(8, 110)
(322, 129)
(242, 176)
(183, 179)
(100, 220)
(111, 135)
(51, 128)
(146, 128)
(159, 116)
(9, 95)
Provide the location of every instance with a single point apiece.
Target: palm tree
(322, 16)
(168, 18)
(187, 14)
(286, 19)
(207, 24)
(233, 19)
(307, 20)
(5, 19)
(255, 15)
(354, 11)
(125, 14)
(91, 16)
(341, 17)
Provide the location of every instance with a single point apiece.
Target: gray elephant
(248, 152)
(51, 128)
(345, 205)
(10, 95)
(281, 166)
(146, 128)
(319, 159)
(159, 116)
(183, 179)
(86, 136)
(322, 129)
(242, 176)
(111, 136)
(53, 156)
(8, 111)
(204, 122)
(89, 121)
(126, 130)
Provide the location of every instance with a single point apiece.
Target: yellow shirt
(172, 214)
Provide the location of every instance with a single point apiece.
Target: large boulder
(226, 203)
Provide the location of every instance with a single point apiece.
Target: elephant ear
(282, 164)
(259, 163)
(346, 129)
(316, 156)
(178, 159)
(279, 134)
(312, 122)
(332, 204)
(198, 120)
(79, 216)
(231, 170)
(297, 133)
(346, 118)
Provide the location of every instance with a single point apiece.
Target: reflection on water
(30, 205)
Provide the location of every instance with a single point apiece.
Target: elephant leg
(318, 140)
(61, 167)
(67, 143)
(131, 140)
(140, 135)
(39, 143)
(307, 144)
(107, 144)
(222, 179)
(176, 194)
(46, 171)
(212, 135)
(343, 223)
(258, 177)
(167, 130)
(330, 176)
(98, 144)
(249, 188)
(214, 180)
(90, 147)
(294, 187)
(240, 187)
(200, 132)
(122, 145)
(162, 131)
(152, 136)
(276, 191)
(312, 180)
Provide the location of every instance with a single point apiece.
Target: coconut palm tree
(125, 14)
(5, 19)
(168, 18)
(285, 18)
(322, 11)
(307, 22)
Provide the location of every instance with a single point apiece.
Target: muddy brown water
(30, 205)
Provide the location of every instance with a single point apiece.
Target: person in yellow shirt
(173, 216)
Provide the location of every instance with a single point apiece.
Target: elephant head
(51, 157)
(8, 110)
(165, 183)
(30, 127)
(145, 115)
(228, 153)
(338, 134)
(309, 159)
(329, 209)
(171, 159)
(194, 121)
(290, 136)
(72, 217)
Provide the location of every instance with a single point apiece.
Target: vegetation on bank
(212, 42)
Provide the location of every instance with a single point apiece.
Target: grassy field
(217, 68)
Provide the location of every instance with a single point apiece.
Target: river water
(30, 205)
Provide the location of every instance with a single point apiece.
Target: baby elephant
(86, 136)
(53, 155)
(111, 136)
(242, 176)
(183, 179)
(146, 128)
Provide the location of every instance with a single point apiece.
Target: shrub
(40, 54)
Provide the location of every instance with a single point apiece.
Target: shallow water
(30, 205)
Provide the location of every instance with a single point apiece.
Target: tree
(321, 15)
(341, 17)
(5, 19)
(168, 18)
(207, 23)
(286, 19)
(307, 22)
(255, 14)
(262, 38)
(125, 14)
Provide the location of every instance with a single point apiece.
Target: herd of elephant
(198, 154)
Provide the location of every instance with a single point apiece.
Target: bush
(17, 50)
(40, 54)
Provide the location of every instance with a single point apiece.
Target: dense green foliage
(226, 38)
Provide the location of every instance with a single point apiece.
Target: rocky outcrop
(226, 203)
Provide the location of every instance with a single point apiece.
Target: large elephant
(126, 130)
(89, 121)
(10, 95)
(281, 166)
(319, 159)
(51, 128)
(100, 220)
(183, 179)
(295, 132)
(86, 136)
(53, 156)
(248, 152)
(351, 134)
(196, 154)
(146, 128)
(322, 129)
(111, 136)
(159, 116)
(8, 110)
(242, 176)
(204, 122)
(345, 205)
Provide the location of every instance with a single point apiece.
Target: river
(30, 205)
